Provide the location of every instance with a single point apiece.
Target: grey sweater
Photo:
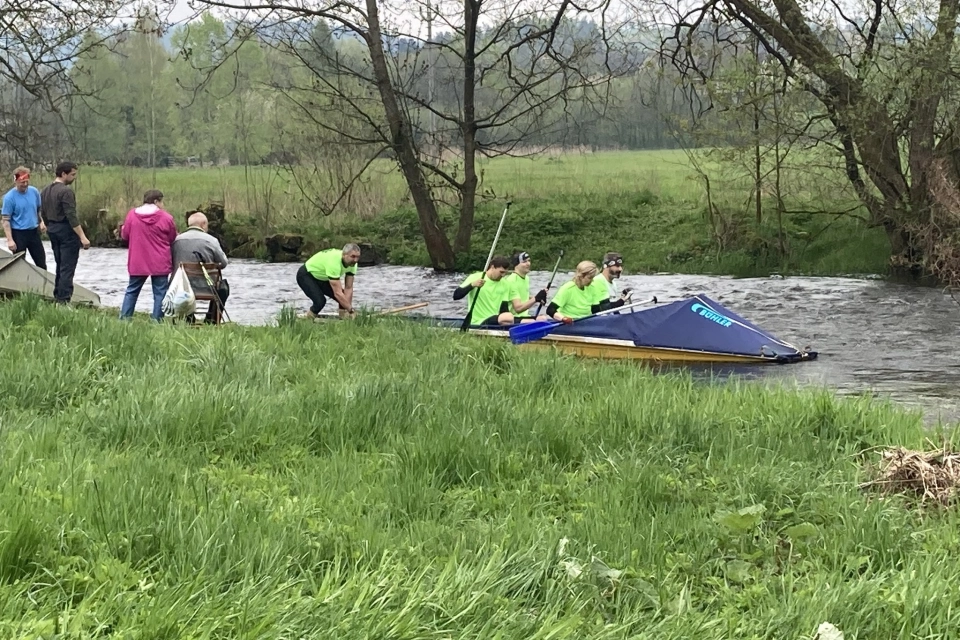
(196, 239)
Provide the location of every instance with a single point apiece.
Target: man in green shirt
(319, 278)
(492, 294)
(520, 299)
(604, 286)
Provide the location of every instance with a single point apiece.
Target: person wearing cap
(22, 224)
(604, 286)
(520, 299)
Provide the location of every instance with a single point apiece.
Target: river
(895, 340)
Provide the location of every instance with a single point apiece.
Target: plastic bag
(180, 300)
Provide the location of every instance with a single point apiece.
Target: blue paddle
(530, 331)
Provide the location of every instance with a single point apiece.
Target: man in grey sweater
(196, 245)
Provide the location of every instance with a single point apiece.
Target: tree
(39, 39)
(508, 70)
(883, 77)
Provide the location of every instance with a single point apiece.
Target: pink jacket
(149, 232)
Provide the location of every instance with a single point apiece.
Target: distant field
(651, 205)
(667, 174)
(247, 190)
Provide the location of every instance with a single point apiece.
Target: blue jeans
(160, 285)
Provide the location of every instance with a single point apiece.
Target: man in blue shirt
(22, 224)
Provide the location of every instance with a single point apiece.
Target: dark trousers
(317, 290)
(29, 240)
(66, 251)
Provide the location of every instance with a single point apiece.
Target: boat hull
(17, 276)
(589, 347)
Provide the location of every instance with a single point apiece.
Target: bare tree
(439, 83)
(39, 40)
(884, 78)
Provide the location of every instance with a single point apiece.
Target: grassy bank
(650, 205)
(379, 479)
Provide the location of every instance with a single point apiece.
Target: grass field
(381, 480)
(650, 205)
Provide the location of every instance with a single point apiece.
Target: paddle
(213, 290)
(549, 284)
(483, 274)
(531, 331)
(409, 307)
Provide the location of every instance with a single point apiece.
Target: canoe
(690, 331)
(17, 276)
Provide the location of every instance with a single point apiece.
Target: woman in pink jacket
(149, 232)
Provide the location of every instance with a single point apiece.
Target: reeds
(928, 476)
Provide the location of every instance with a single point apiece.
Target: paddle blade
(531, 331)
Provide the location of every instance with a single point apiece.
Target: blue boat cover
(694, 324)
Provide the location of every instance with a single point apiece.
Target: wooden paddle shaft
(409, 307)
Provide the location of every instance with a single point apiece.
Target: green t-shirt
(519, 288)
(574, 302)
(604, 290)
(328, 265)
(493, 294)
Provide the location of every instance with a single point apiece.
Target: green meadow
(649, 205)
(382, 479)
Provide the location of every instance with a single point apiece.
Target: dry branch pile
(927, 475)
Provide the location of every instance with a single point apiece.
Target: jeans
(160, 285)
(29, 240)
(66, 251)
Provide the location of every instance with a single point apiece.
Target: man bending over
(319, 279)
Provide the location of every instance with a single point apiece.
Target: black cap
(522, 256)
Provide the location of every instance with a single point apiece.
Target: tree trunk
(438, 246)
(468, 129)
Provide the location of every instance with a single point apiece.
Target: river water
(895, 340)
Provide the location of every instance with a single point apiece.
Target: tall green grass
(381, 479)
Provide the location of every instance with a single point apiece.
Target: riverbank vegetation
(329, 99)
(650, 205)
(383, 479)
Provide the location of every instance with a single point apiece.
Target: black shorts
(495, 321)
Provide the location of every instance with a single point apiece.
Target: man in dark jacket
(58, 210)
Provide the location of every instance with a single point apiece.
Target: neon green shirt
(328, 265)
(604, 290)
(574, 302)
(519, 288)
(493, 294)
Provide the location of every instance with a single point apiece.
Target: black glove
(541, 296)
(626, 291)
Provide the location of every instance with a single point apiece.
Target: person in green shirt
(319, 278)
(491, 292)
(577, 299)
(604, 286)
(520, 299)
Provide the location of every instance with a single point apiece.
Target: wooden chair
(201, 289)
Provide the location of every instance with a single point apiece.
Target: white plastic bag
(180, 300)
